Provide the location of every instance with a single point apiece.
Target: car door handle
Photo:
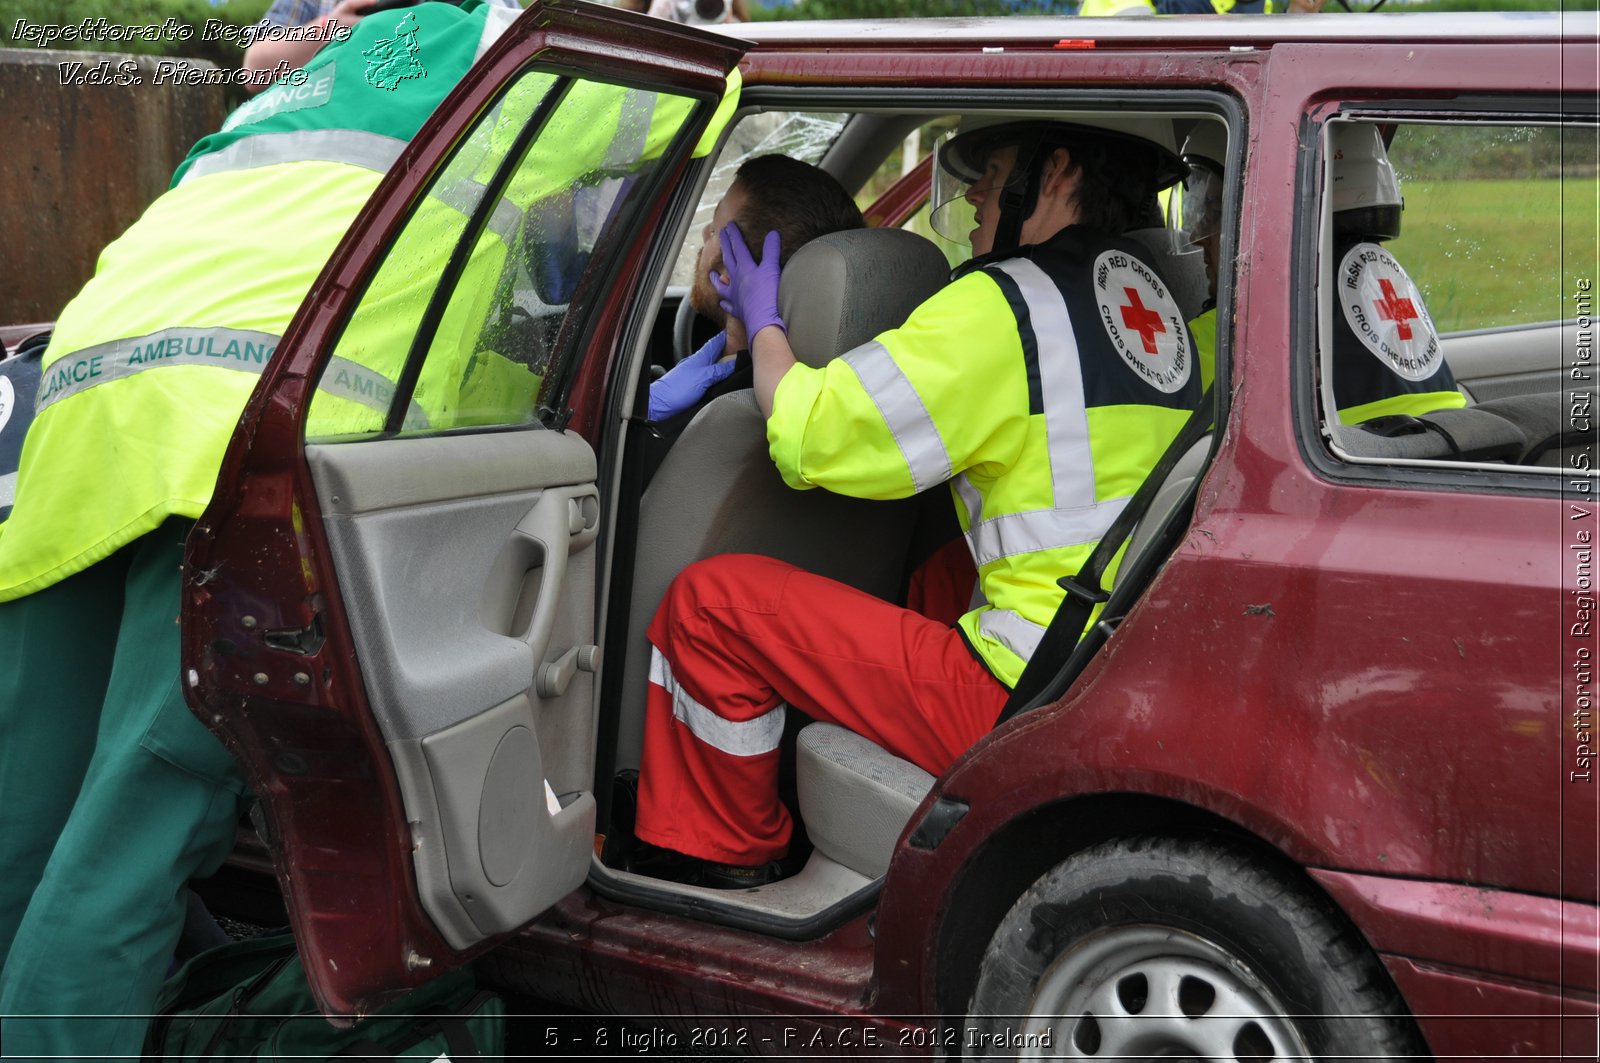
(555, 675)
(561, 517)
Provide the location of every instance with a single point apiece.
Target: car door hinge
(556, 420)
(305, 641)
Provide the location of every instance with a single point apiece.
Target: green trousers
(112, 796)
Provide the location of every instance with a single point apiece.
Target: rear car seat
(1550, 434)
(1471, 433)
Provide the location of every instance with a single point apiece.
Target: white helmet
(960, 157)
(1365, 196)
(693, 12)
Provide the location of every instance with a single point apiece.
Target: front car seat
(717, 491)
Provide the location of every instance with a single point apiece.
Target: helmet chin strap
(1017, 203)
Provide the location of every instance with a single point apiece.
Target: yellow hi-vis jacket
(533, 250)
(152, 363)
(1043, 386)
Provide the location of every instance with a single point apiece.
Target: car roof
(1500, 27)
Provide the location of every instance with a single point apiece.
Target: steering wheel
(683, 331)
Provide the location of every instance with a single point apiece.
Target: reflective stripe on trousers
(739, 738)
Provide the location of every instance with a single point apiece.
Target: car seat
(717, 491)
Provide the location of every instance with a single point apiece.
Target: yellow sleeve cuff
(792, 402)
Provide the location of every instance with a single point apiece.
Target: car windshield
(801, 135)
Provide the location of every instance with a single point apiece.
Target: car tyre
(1199, 947)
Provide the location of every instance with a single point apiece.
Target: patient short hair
(798, 200)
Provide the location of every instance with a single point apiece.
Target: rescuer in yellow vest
(1043, 384)
(112, 795)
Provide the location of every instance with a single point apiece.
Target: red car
(1322, 783)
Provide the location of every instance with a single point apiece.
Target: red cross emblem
(1393, 308)
(1148, 322)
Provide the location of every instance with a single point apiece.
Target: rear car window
(1457, 265)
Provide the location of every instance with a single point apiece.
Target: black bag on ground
(249, 1000)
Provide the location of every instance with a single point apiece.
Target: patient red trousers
(737, 638)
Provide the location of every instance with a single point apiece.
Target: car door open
(390, 611)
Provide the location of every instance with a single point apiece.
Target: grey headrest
(842, 289)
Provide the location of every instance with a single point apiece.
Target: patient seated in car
(769, 193)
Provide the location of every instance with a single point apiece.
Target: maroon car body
(1375, 676)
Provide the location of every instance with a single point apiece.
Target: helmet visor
(1201, 211)
(965, 175)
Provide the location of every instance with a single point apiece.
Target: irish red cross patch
(1143, 321)
(1384, 309)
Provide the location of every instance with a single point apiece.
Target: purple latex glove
(690, 379)
(751, 294)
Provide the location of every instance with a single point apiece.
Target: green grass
(1491, 253)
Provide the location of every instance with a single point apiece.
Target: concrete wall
(78, 163)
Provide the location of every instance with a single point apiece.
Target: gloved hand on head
(751, 293)
(690, 379)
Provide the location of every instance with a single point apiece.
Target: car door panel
(466, 566)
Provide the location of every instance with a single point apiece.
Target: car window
(801, 135)
(1455, 257)
(468, 321)
(1485, 222)
(916, 147)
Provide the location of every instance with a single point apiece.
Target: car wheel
(1156, 946)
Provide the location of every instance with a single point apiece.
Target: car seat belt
(1083, 590)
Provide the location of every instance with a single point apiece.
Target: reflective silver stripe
(903, 411)
(1016, 634)
(223, 347)
(594, 199)
(496, 23)
(8, 489)
(1077, 517)
(633, 129)
(748, 738)
(354, 147)
(1066, 416)
(463, 195)
(355, 382)
(1040, 529)
(971, 498)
